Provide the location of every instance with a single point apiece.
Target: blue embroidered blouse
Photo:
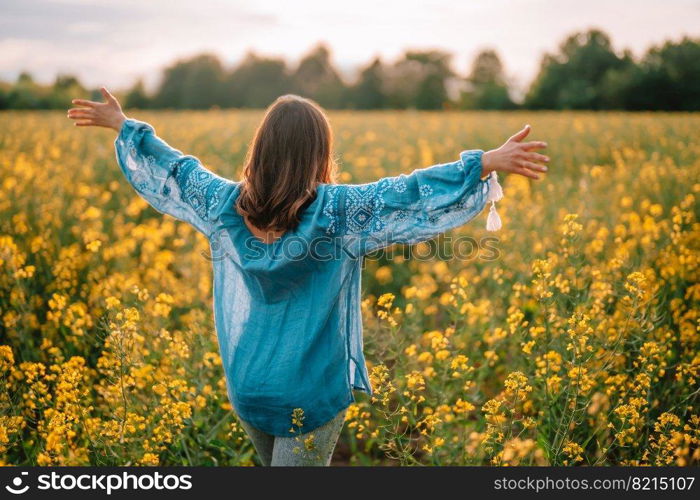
(287, 314)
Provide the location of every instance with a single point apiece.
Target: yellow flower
(573, 451)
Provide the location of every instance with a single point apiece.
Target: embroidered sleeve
(171, 182)
(407, 208)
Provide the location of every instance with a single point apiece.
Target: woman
(287, 246)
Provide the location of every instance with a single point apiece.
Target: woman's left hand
(98, 114)
(516, 156)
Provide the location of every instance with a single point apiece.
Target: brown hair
(290, 155)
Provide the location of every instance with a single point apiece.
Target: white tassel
(493, 222)
(495, 190)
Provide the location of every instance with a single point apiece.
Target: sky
(114, 42)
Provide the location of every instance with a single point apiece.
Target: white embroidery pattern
(139, 175)
(215, 197)
(400, 184)
(362, 207)
(329, 209)
(193, 185)
(199, 188)
(364, 204)
(425, 191)
(400, 215)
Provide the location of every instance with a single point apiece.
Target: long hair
(290, 155)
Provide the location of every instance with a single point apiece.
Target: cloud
(86, 28)
(114, 41)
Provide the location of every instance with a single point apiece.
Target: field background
(578, 345)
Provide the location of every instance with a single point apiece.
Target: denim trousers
(314, 448)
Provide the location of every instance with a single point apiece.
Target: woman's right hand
(516, 157)
(98, 114)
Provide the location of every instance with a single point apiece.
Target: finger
(84, 123)
(85, 102)
(106, 94)
(80, 112)
(527, 173)
(535, 166)
(81, 116)
(529, 146)
(521, 135)
(536, 157)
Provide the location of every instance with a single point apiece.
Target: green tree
(194, 83)
(574, 78)
(671, 76)
(256, 82)
(5, 95)
(419, 80)
(667, 78)
(488, 87)
(432, 91)
(315, 77)
(63, 90)
(137, 97)
(368, 92)
(27, 94)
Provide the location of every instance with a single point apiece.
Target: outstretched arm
(171, 182)
(428, 201)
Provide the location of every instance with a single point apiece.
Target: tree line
(585, 73)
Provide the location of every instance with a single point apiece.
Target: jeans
(314, 448)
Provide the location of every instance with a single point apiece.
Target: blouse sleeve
(407, 208)
(171, 182)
